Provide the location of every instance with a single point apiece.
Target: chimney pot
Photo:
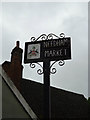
(17, 44)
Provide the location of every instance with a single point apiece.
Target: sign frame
(58, 49)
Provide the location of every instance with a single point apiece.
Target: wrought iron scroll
(47, 37)
(53, 69)
(40, 70)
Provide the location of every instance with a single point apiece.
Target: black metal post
(47, 100)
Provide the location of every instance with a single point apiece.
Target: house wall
(11, 107)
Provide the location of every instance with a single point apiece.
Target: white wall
(11, 107)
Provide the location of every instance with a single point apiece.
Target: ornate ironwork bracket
(47, 37)
(52, 69)
(40, 70)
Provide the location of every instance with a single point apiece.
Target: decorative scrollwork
(52, 36)
(61, 62)
(33, 39)
(62, 35)
(32, 65)
(47, 37)
(39, 71)
(52, 69)
(41, 37)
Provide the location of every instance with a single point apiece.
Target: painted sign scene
(33, 51)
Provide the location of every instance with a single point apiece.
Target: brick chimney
(14, 68)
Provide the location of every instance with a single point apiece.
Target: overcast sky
(21, 21)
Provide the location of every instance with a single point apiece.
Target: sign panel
(54, 49)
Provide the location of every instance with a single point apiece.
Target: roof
(64, 104)
(17, 94)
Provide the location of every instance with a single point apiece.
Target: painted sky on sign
(21, 21)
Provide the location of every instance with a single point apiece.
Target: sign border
(41, 50)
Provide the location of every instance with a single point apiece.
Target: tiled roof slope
(64, 104)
